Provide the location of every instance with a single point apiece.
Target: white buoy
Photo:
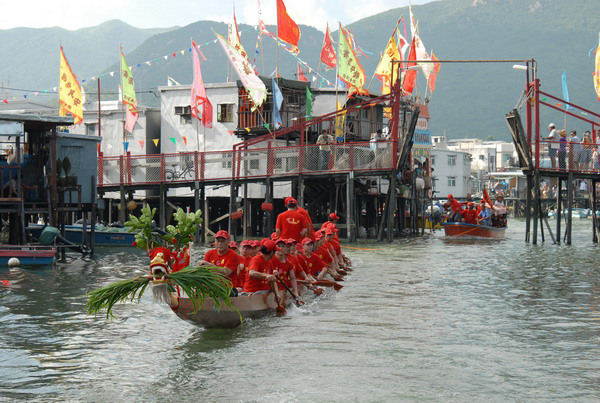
(14, 262)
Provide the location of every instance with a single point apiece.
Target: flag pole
(197, 131)
(122, 104)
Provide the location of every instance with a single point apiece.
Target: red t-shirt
(311, 228)
(242, 277)
(229, 260)
(283, 268)
(313, 264)
(323, 253)
(336, 246)
(298, 267)
(470, 216)
(260, 265)
(291, 223)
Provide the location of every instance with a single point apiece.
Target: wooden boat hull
(74, 234)
(28, 255)
(250, 307)
(473, 230)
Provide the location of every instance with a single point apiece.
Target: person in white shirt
(552, 147)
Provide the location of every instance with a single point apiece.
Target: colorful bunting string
(155, 141)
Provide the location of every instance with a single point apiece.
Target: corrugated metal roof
(31, 118)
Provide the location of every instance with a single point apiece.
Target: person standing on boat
(292, 223)
(259, 274)
(224, 258)
(484, 217)
(311, 228)
(500, 211)
(456, 209)
(552, 146)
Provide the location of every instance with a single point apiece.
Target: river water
(421, 319)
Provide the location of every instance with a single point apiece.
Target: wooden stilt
(93, 217)
(349, 209)
(269, 222)
(391, 212)
(232, 196)
(569, 207)
(206, 215)
(528, 208)
(536, 211)
(162, 207)
(245, 216)
(300, 191)
(559, 203)
(593, 207)
(122, 206)
(196, 208)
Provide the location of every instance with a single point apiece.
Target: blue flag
(565, 91)
(277, 102)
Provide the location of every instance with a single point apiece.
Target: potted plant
(61, 181)
(66, 165)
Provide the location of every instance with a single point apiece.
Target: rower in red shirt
(311, 228)
(225, 258)
(321, 250)
(259, 275)
(245, 257)
(470, 214)
(456, 209)
(316, 267)
(284, 269)
(291, 224)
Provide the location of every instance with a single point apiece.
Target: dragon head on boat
(159, 264)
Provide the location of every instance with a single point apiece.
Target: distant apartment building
(451, 170)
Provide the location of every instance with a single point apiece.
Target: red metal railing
(564, 152)
(250, 163)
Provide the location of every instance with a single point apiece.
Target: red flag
(433, 76)
(287, 29)
(327, 51)
(198, 95)
(410, 77)
(486, 198)
(301, 76)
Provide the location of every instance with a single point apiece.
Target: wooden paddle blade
(348, 269)
(338, 278)
(318, 291)
(337, 286)
(280, 310)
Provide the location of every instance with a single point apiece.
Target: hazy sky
(71, 14)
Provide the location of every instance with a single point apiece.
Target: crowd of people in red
(294, 254)
(483, 213)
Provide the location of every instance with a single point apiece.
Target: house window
(226, 160)
(224, 113)
(432, 160)
(185, 113)
(278, 163)
(481, 157)
(254, 164)
(466, 160)
(90, 129)
(293, 99)
(452, 160)
(452, 181)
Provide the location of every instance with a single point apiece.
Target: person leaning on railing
(586, 151)
(574, 151)
(552, 146)
(562, 150)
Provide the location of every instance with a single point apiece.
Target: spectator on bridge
(586, 151)
(552, 147)
(562, 150)
(574, 151)
(324, 141)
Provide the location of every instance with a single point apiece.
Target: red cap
(274, 236)
(279, 240)
(289, 200)
(469, 203)
(255, 243)
(245, 242)
(290, 241)
(262, 241)
(450, 196)
(222, 234)
(334, 216)
(270, 246)
(319, 235)
(329, 231)
(233, 244)
(306, 241)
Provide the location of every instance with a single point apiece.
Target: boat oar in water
(297, 300)
(324, 283)
(280, 310)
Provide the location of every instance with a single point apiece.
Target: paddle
(298, 301)
(280, 310)
(324, 283)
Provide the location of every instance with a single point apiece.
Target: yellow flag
(349, 69)
(69, 93)
(597, 72)
(340, 122)
(384, 68)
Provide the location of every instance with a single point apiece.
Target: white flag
(253, 84)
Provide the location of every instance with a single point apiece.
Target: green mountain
(470, 99)
(31, 55)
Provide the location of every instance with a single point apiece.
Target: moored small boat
(458, 229)
(103, 236)
(28, 255)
